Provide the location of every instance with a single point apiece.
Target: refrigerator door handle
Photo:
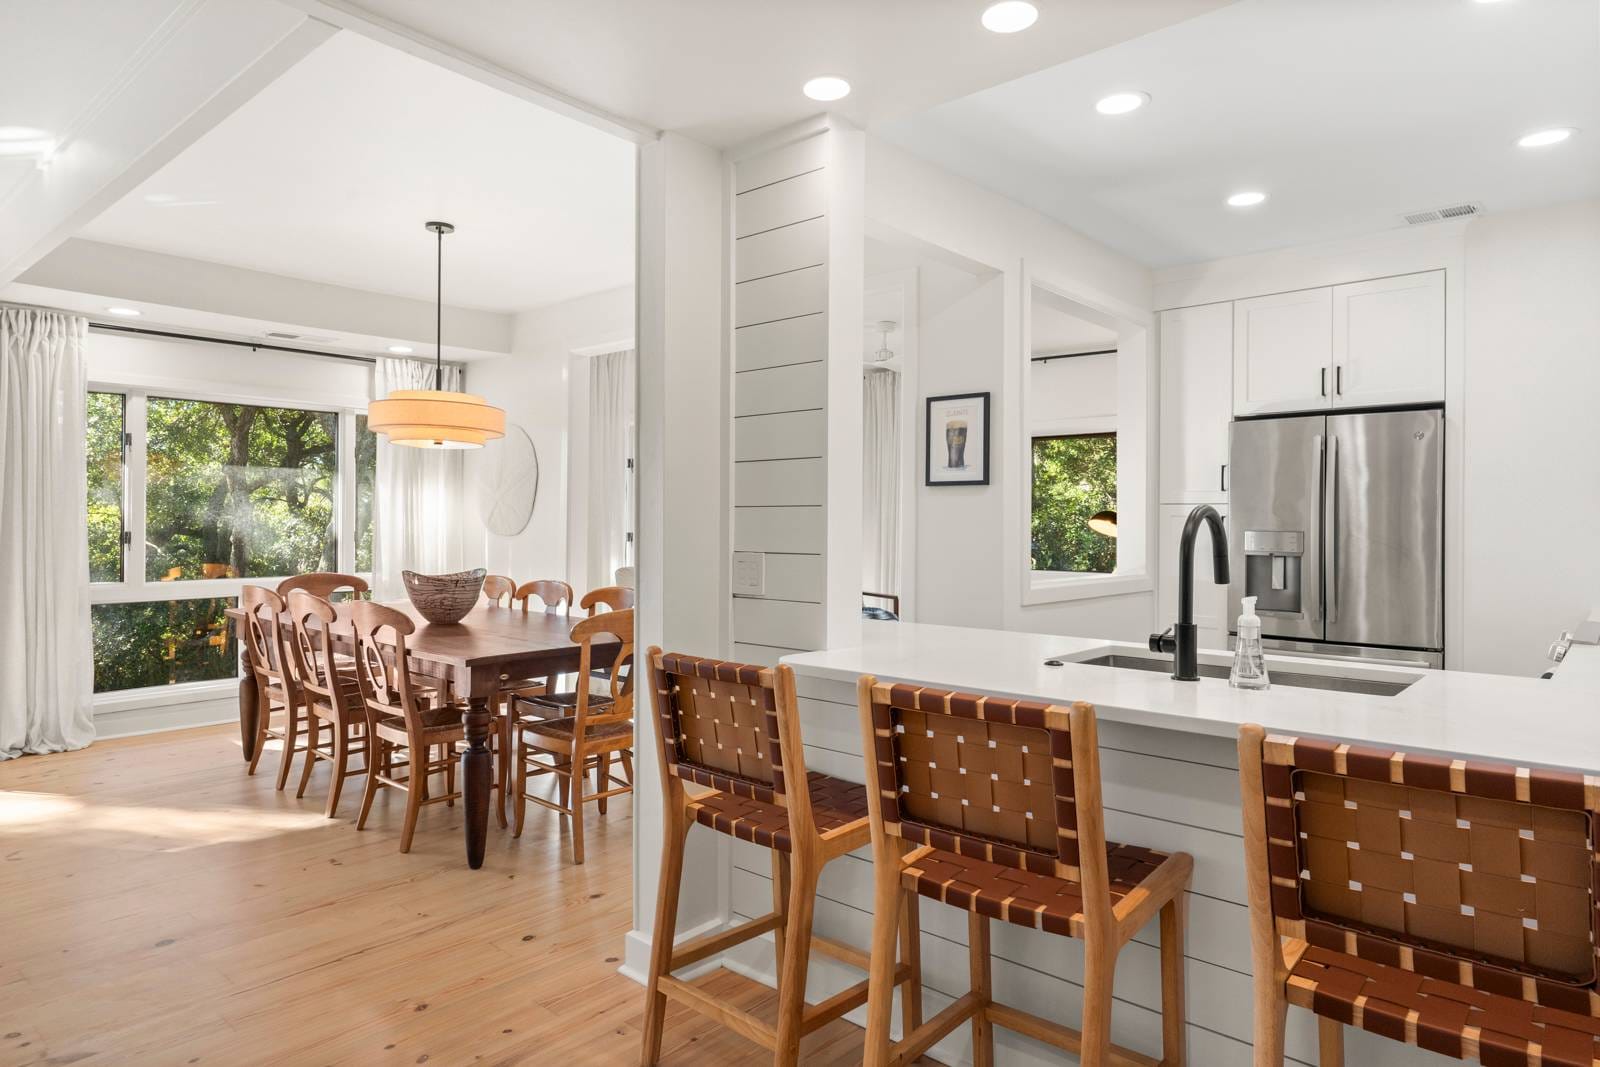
(1330, 526)
(1319, 478)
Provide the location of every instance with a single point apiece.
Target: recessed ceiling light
(160, 198)
(124, 313)
(400, 350)
(1545, 138)
(25, 141)
(826, 88)
(1121, 103)
(1246, 199)
(1009, 16)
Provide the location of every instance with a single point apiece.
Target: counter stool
(1443, 903)
(993, 806)
(734, 729)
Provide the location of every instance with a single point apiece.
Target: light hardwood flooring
(157, 906)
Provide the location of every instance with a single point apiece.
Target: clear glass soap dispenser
(1249, 665)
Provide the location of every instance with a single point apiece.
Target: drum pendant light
(436, 418)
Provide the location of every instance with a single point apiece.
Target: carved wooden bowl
(444, 598)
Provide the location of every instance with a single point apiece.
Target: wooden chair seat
(440, 725)
(1043, 902)
(563, 729)
(837, 807)
(1440, 1015)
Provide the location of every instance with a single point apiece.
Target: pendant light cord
(438, 319)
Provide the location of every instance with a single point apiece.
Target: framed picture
(956, 448)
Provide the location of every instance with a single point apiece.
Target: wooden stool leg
(1174, 1022)
(373, 771)
(911, 956)
(414, 799)
(1330, 1042)
(780, 904)
(803, 871)
(291, 735)
(1099, 973)
(978, 966)
(578, 765)
(341, 766)
(886, 903)
(313, 739)
(661, 937)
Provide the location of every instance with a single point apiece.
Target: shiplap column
(797, 311)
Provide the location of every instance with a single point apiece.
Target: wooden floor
(157, 906)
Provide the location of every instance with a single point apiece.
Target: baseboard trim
(129, 722)
(636, 952)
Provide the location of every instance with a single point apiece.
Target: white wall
(1080, 388)
(200, 368)
(1531, 520)
(543, 387)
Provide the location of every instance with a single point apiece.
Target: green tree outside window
(1074, 477)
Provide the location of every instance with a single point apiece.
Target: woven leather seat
(835, 804)
(1043, 902)
(1438, 1014)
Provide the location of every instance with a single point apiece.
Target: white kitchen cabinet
(1283, 352)
(1210, 599)
(1388, 341)
(1196, 402)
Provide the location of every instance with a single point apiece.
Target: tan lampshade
(1104, 522)
(431, 418)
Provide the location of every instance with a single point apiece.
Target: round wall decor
(508, 482)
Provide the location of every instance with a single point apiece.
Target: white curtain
(420, 496)
(610, 480)
(46, 654)
(880, 481)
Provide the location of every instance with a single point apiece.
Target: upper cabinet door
(1388, 341)
(1196, 402)
(1283, 352)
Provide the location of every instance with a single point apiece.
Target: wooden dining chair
(403, 733)
(607, 598)
(330, 693)
(1444, 903)
(734, 729)
(325, 584)
(554, 594)
(500, 590)
(992, 806)
(596, 730)
(277, 692)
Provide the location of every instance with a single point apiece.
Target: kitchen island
(1170, 782)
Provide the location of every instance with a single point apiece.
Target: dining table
(473, 658)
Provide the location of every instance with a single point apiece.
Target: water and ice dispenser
(1273, 567)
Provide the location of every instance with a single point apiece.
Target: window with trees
(1074, 479)
(189, 499)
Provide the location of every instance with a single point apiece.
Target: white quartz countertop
(1526, 721)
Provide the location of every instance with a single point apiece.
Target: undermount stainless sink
(1292, 679)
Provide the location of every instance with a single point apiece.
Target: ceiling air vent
(278, 335)
(1439, 214)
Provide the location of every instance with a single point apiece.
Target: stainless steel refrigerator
(1336, 526)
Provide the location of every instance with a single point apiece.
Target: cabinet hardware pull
(1222, 477)
(1322, 387)
(1338, 380)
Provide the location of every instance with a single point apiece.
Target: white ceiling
(329, 173)
(725, 70)
(1347, 112)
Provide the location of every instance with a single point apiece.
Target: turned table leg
(476, 772)
(249, 706)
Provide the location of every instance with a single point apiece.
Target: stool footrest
(928, 1034)
(1062, 1037)
(713, 1007)
(691, 952)
(855, 957)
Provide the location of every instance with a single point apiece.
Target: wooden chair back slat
(1466, 864)
(554, 594)
(381, 670)
(500, 590)
(608, 598)
(617, 624)
(263, 612)
(311, 644)
(1013, 782)
(325, 584)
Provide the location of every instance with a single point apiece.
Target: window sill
(159, 696)
(1054, 588)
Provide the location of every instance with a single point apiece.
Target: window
(1074, 478)
(215, 495)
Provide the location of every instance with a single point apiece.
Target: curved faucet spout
(1184, 637)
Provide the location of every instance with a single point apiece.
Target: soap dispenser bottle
(1249, 665)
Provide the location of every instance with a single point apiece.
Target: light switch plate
(749, 574)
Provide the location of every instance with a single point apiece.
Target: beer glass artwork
(955, 444)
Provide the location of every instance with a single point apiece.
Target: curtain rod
(1072, 355)
(117, 327)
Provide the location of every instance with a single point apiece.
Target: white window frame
(135, 588)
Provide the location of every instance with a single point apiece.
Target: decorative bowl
(444, 598)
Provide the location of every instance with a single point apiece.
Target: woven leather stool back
(980, 776)
(1437, 866)
(717, 724)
